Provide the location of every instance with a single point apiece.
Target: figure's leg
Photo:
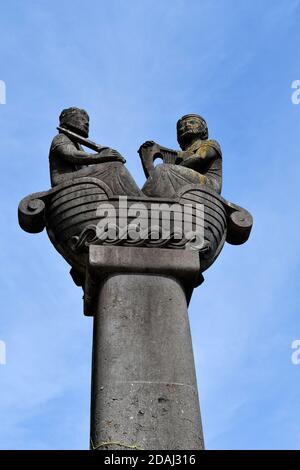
(166, 180)
(115, 175)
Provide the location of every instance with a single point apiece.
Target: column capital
(183, 265)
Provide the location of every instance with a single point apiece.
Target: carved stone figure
(68, 160)
(199, 162)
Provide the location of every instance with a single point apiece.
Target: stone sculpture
(144, 392)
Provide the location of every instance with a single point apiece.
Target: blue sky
(136, 66)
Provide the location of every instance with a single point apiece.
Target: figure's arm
(211, 174)
(65, 149)
(209, 150)
(77, 157)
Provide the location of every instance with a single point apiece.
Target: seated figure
(68, 160)
(199, 161)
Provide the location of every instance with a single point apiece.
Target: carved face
(82, 125)
(189, 127)
(76, 120)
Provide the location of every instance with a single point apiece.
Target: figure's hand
(109, 155)
(108, 152)
(112, 153)
(101, 149)
(147, 144)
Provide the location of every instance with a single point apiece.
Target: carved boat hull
(70, 213)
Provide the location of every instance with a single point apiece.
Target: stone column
(144, 390)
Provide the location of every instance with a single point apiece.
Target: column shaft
(144, 391)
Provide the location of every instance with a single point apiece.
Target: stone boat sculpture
(74, 209)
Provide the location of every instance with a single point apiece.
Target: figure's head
(76, 120)
(189, 128)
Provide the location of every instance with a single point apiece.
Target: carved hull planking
(69, 212)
